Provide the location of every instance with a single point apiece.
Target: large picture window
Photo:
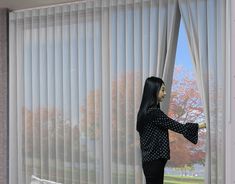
(76, 74)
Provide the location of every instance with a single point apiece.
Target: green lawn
(169, 179)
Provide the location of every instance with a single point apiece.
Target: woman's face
(162, 93)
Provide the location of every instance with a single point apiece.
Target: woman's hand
(202, 125)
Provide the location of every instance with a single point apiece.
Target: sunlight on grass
(170, 179)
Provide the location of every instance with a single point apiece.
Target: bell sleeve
(188, 130)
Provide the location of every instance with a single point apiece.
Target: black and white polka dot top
(154, 139)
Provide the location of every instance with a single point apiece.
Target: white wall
(3, 97)
(230, 128)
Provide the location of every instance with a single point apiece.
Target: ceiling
(24, 4)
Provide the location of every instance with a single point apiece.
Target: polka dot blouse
(154, 139)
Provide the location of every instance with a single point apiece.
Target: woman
(153, 125)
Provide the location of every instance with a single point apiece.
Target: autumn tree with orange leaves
(186, 106)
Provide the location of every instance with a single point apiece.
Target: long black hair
(152, 87)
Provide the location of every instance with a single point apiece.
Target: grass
(169, 179)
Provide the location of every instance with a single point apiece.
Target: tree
(186, 106)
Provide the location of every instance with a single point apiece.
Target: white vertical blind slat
(105, 95)
(110, 86)
(55, 126)
(73, 90)
(125, 92)
(135, 174)
(96, 20)
(119, 69)
(40, 120)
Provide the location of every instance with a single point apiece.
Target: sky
(183, 56)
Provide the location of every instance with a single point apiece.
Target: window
(187, 160)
